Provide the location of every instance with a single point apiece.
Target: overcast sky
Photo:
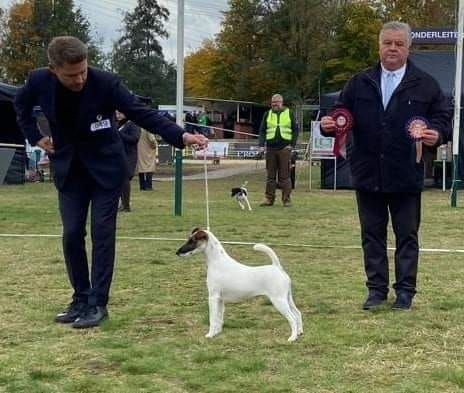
(202, 20)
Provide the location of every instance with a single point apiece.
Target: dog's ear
(195, 230)
(200, 234)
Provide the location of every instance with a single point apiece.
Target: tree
(239, 44)
(52, 18)
(201, 68)
(295, 41)
(356, 42)
(19, 49)
(137, 56)
(28, 28)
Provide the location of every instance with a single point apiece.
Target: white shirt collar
(399, 73)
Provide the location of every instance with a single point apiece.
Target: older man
(385, 159)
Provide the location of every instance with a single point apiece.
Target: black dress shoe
(72, 312)
(93, 316)
(374, 300)
(403, 301)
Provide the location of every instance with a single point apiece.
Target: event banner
(434, 35)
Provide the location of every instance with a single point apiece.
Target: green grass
(154, 340)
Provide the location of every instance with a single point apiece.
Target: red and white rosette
(343, 124)
(415, 127)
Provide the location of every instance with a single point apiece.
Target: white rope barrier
(205, 165)
(241, 243)
(218, 128)
(10, 145)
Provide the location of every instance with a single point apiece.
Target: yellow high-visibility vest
(284, 122)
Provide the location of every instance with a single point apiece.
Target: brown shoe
(267, 203)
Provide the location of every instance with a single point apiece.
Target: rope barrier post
(178, 184)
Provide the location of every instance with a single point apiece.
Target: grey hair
(66, 50)
(397, 26)
(277, 96)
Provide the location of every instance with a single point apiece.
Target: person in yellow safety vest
(277, 136)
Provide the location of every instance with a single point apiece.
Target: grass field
(154, 340)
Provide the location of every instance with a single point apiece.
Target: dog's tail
(270, 252)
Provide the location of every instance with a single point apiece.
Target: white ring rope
(294, 245)
(205, 164)
(218, 128)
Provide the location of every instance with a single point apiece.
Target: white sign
(214, 149)
(320, 144)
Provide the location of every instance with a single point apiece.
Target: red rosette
(343, 124)
(415, 125)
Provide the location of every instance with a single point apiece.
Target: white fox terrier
(230, 281)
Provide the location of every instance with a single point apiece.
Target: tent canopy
(7, 92)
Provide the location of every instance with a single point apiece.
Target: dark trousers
(405, 211)
(125, 194)
(278, 169)
(78, 194)
(146, 181)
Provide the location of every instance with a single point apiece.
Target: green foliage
(29, 26)
(299, 47)
(356, 44)
(137, 56)
(239, 44)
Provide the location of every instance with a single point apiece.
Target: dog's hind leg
(296, 312)
(282, 305)
(214, 316)
(241, 205)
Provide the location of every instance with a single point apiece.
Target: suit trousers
(146, 181)
(77, 195)
(278, 173)
(405, 211)
(125, 193)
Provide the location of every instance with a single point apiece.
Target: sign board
(214, 149)
(6, 155)
(246, 150)
(320, 145)
(434, 35)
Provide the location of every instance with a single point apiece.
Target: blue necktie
(388, 88)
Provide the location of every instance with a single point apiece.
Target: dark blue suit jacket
(101, 152)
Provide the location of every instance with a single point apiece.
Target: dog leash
(206, 188)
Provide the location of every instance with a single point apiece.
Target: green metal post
(178, 184)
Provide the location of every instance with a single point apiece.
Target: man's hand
(46, 144)
(430, 137)
(328, 124)
(195, 139)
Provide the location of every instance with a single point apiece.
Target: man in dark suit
(386, 160)
(89, 162)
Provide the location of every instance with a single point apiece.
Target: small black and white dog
(241, 195)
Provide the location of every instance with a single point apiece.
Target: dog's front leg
(215, 327)
(248, 203)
